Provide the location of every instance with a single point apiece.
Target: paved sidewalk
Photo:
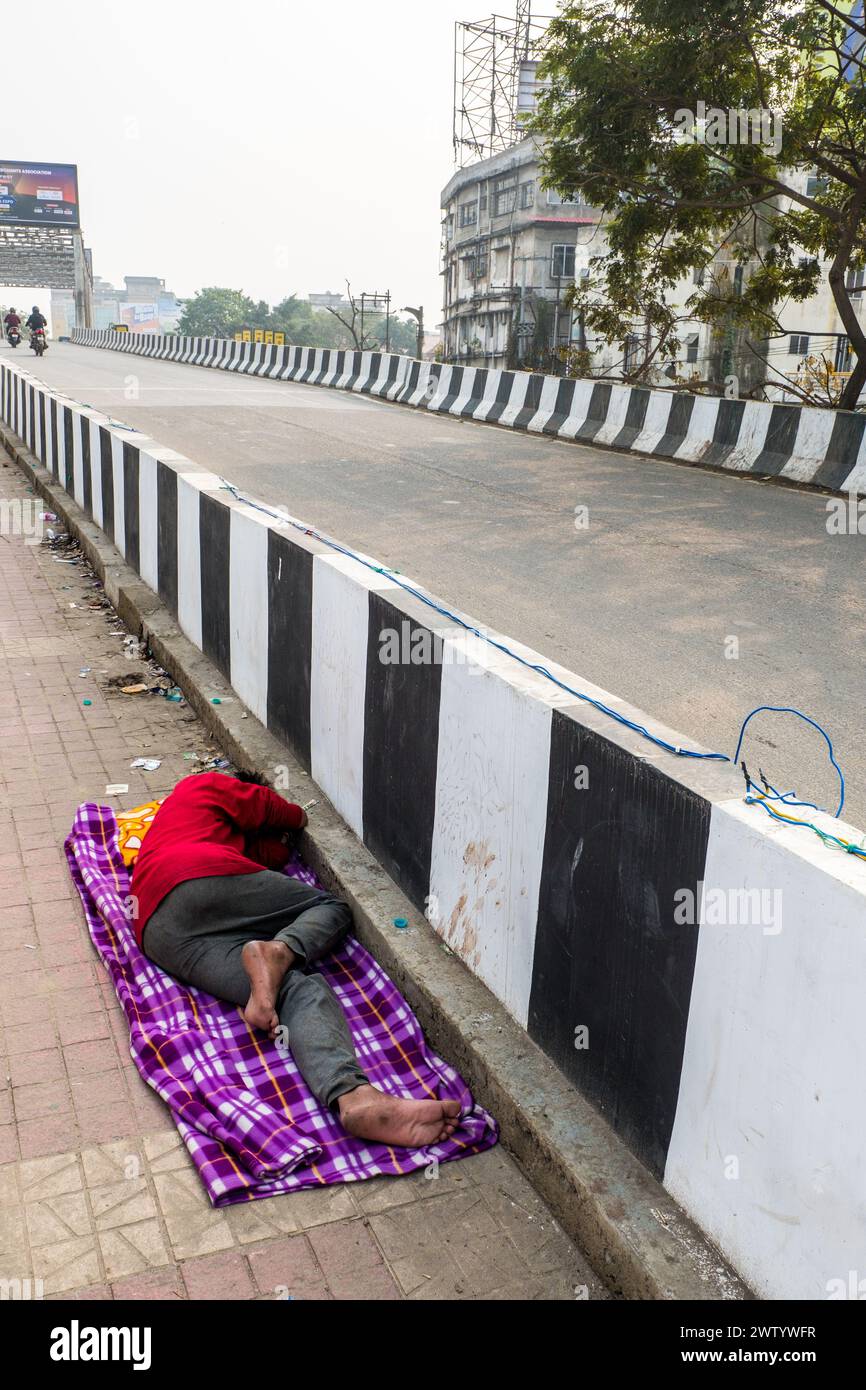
(98, 1199)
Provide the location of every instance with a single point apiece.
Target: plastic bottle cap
(401, 922)
(87, 702)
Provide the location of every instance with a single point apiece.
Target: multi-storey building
(511, 249)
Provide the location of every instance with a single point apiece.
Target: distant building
(511, 249)
(326, 299)
(144, 304)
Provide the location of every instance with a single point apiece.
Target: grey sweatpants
(197, 934)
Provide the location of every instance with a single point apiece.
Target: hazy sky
(270, 147)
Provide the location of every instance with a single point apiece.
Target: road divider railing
(797, 444)
(693, 966)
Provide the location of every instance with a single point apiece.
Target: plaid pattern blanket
(248, 1120)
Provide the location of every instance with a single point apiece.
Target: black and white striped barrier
(694, 967)
(823, 447)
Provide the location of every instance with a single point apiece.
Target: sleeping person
(214, 909)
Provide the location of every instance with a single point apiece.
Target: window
(476, 266)
(843, 355)
(504, 195)
(632, 352)
(482, 199)
(799, 344)
(468, 214)
(692, 347)
(815, 186)
(527, 194)
(738, 279)
(855, 282)
(562, 263)
(558, 200)
(698, 275)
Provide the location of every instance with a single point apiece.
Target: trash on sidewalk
(165, 686)
(116, 788)
(133, 689)
(214, 764)
(147, 764)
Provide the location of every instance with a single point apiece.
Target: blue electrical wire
(569, 690)
(786, 709)
(790, 799)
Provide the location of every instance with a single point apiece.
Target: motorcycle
(37, 341)
(13, 335)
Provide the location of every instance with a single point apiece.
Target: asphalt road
(674, 563)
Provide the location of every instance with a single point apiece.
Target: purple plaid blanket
(251, 1126)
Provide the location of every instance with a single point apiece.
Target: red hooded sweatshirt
(210, 824)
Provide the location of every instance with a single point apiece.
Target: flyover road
(675, 561)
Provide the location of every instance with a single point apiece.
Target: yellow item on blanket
(132, 826)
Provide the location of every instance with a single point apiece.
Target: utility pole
(419, 315)
(376, 302)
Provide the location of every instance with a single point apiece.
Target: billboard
(140, 318)
(39, 195)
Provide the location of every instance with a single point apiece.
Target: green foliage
(620, 72)
(220, 313)
(216, 313)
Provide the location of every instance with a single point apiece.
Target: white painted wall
(338, 680)
(117, 471)
(189, 556)
(489, 823)
(147, 519)
(248, 608)
(774, 1063)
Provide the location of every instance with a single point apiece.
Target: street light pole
(419, 315)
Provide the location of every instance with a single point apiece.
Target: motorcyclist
(36, 320)
(11, 320)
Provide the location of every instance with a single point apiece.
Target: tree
(615, 122)
(217, 313)
(350, 319)
(294, 317)
(402, 334)
(220, 313)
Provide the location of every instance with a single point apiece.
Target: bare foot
(412, 1124)
(265, 962)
